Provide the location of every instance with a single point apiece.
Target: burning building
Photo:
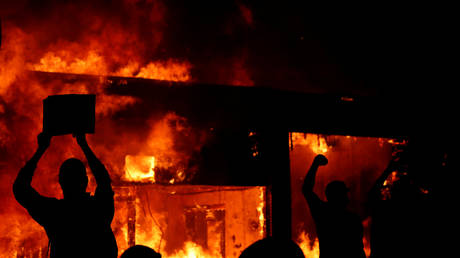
(204, 161)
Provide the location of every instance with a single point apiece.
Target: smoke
(121, 35)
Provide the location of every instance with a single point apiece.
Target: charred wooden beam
(262, 107)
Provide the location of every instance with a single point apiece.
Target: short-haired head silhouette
(273, 247)
(79, 219)
(140, 251)
(73, 178)
(337, 194)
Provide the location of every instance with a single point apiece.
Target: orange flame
(94, 63)
(21, 98)
(140, 168)
(64, 62)
(316, 142)
(156, 155)
(169, 71)
(309, 249)
(192, 250)
(261, 211)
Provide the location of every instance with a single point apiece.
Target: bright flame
(93, 63)
(63, 62)
(393, 177)
(260, 210)
(168, 71)
(171, 163)
(309, 250)
(140, 168)
(108, 50)
(192, 250)
(316, 142)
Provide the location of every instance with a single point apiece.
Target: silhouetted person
(273, 247)
(399, 226)
(340, 232)
(79, 224)
(140, 251)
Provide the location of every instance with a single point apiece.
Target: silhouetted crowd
(79, 224)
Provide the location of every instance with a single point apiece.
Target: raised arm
(22, 188)
(97, 168)
(104, 193)
(309, 181)
(374, 193)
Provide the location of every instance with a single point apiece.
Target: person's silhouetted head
(140, 251)
(337, 194)
(272, 247)
(73, 178)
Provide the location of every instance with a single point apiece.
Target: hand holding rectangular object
(69, 114)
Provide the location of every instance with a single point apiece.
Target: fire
(310, 248)
(316, 142)
(105, 46)
(260, 210)
(192, 250)
(94, 63)
(189, 221)
(169, 71)
(140, 168)
(11, 60)
(156, 158)
(65, 62)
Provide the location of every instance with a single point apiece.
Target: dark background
(359, 48)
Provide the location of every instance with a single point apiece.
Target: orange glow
(192, 250)
(11, 59)
(161, 223)
(316, 142)
(64, 62)
(156, 159)
(168, 71)
(261, 211)
(310, 248)
(140, 168)
(109, 49)
(93, 63)
(393, 177)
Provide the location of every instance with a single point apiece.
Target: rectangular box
(68, 114)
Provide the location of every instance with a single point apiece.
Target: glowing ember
(393, 177)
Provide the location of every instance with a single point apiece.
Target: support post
(276, 158)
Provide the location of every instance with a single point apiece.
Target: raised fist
(320, 160)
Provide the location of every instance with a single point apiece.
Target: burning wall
(192, 221)
(137, 145)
